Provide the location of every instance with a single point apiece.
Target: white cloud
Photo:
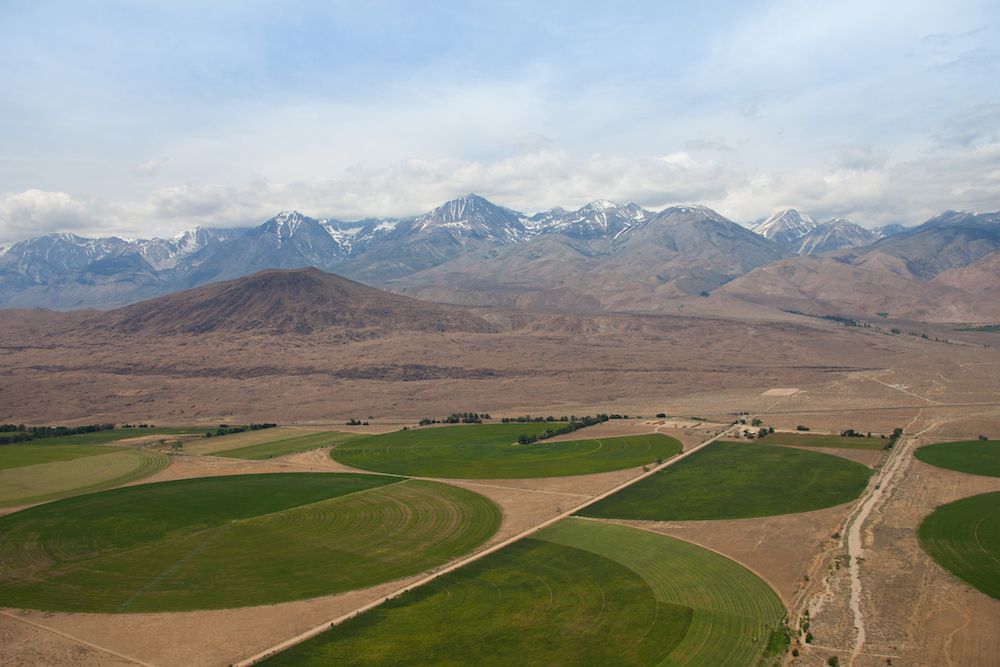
(149, 168)
(36, 212)
(862, 184)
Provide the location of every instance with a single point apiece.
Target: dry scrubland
(908, 607)
(535, 363)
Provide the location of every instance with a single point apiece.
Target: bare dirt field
(23, 644)
(897, 603)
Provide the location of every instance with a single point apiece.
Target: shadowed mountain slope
(285, 301)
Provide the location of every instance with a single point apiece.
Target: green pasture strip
(730, 480)
(221, 542)
(964, 538)
(490, 451)
(302, 443)
(979, 457)
(59, 479)
(831, 441)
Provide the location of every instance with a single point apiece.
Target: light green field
(732, 480)
(232, 441)
(578, 593)
(302, 443)
(219, 542)
(490, 451)
(32, 453)
(964, 537)
(59, 479)
(831, 441)
(979, 457)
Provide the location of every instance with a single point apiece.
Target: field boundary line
(320, 629)
(445, 480)
(624, 523)
(82, 642)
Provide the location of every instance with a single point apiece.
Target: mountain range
(603, 256)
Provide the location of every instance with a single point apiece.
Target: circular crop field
(491, 451)
(979, 457)
(577, 593)
(95, 468)
(964, 537)
(731, 480)
(220, 542)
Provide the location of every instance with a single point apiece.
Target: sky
(147, 118)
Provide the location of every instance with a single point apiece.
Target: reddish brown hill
(297, 301)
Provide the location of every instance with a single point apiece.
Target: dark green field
(579, 593)
(730, 480)
(302, 443)
(819, 440)
(486, 451)
(964, 537)
(222, 542)
(979, 457)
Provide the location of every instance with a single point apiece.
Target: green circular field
(964, 538)
(235, 541)
(731, 480)
(577, 593)
(979, 457)
(490, 451)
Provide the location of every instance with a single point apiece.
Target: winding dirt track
(878, 487)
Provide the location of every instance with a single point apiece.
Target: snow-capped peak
(785, 226)
(601, 205)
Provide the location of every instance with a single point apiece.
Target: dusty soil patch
(780, 392)
(203, 637)
(868, 457)
(23, 645)
(609, 429)
(574, 489)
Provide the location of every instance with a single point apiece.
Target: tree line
(23, 433)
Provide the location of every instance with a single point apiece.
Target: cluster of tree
(226, 429)
(574, 425)
(23, 433)
(528, 419)
(800, 427)
(458, 418)
(139, 425)
(355, 422)
(851, 433)
(983, 437)
(897, 433)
